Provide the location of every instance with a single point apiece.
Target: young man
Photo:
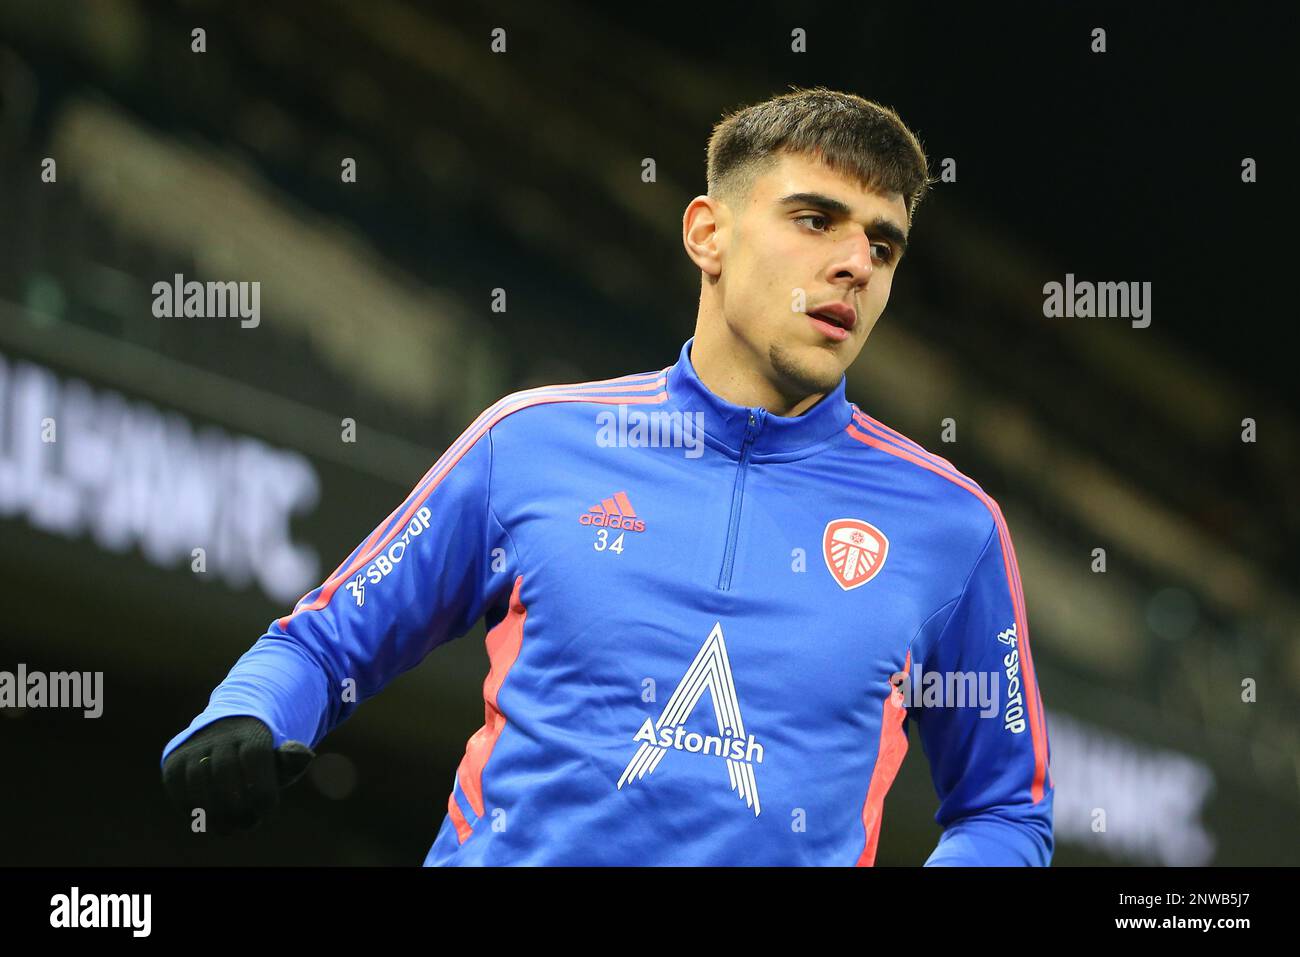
(708, 587)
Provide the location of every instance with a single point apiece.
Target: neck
(730, 370)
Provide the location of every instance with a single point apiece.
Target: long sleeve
(989, 760)
(423, 576)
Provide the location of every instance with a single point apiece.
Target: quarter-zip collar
(726, 426)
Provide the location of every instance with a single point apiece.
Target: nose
(856, 266)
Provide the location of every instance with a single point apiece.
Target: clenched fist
(231, 771)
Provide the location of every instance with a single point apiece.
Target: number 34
(602, 542)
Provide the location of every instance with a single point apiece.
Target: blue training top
(708, 628)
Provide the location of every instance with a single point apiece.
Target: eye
(825, 219)
(887, 252)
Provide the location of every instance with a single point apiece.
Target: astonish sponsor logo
(616, 512)
(710, 671)
(679, 739)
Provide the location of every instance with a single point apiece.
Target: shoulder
(552, 407)
(970, 509)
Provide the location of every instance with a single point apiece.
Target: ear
(704, 233)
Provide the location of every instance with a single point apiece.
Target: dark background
(521, 171)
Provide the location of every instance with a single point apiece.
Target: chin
(808, 369)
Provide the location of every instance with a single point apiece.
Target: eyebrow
(881, 226)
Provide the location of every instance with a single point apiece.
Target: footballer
(700, 651)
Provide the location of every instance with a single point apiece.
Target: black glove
(231, 771)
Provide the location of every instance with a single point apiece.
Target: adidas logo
(616, 512)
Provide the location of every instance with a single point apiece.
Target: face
(803, 227)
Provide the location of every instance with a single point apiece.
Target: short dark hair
(853, 136)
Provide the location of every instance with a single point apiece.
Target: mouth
(836, 320)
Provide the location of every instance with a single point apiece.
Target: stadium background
(522, 171)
